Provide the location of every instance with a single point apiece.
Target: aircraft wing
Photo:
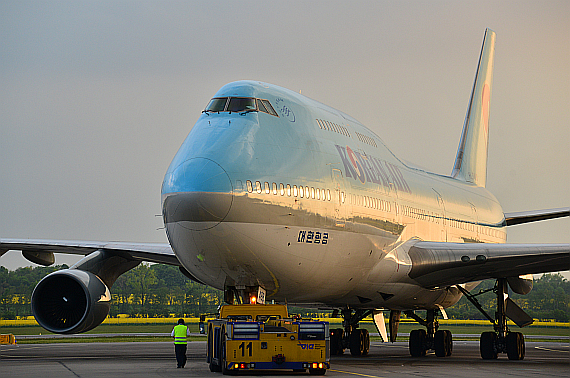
(536, 215)
(152, 252)
(436, 264)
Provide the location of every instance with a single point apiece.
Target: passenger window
(266, 187)
(282, 189)
(328, 194)
(318, 194)
(307, 191)
(295, 190)
(249, 186)
(323, 194)
(288, 190)
(258, 186)
(300, 191)
(274, 188)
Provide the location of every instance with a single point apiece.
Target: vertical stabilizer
(471, 161)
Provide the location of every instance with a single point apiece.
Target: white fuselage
(311, 205)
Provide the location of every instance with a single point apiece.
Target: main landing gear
(422, 340)
(357, 340)
(502, 340)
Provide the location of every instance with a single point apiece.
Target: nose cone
(197, 194)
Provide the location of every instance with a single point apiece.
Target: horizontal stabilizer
(535, 215)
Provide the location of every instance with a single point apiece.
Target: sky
(96, 97)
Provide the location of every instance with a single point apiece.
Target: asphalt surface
(140, 359)
(107, 335)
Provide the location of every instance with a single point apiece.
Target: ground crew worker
(179, 333)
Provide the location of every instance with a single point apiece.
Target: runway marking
(72, 372)
(551, 350)
(360, 375)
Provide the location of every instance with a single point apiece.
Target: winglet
(471, 161)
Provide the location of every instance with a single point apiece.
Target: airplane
(275, 195)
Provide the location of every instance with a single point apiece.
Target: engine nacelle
(70, 301)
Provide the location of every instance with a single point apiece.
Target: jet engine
(70, 301)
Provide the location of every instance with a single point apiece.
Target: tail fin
(471, 161)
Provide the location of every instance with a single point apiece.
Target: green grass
(119, 339)
(103, 328)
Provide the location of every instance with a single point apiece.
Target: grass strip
(117, 339)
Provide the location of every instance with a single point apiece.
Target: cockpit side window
(260, 106)
(269, 108)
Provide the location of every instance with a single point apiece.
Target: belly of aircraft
(300, 264)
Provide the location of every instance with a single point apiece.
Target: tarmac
(134, 335)
(156, 359)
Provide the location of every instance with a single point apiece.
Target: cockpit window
(240, 105)
(217, 104)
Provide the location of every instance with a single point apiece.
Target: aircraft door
(441, 218)
(393, 195)
(474, 229)
(339, 198)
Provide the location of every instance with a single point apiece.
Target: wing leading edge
(152, 252)
(436, 264)
(536, 215)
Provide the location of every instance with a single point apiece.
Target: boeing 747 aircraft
(278, 195)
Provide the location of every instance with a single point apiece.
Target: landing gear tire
(223, 357)
(487, 346)
(443, 343)
(215, 343)
(416, 343)
(336, 341)
(359, 342)
(215, 368)
(449, 349)
(515, 346)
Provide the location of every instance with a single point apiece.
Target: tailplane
(471, 161)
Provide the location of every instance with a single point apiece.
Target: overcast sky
(96, 97)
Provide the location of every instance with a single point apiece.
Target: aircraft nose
(197, 194)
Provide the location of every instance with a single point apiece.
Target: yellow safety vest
(180, 334)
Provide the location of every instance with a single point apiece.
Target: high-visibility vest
(180, 334)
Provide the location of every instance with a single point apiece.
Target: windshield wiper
(248, 111)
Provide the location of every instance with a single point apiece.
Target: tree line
(162, 290)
